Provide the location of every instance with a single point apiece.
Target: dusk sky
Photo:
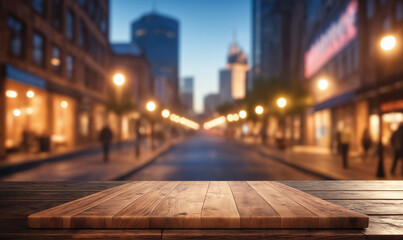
(206, 32)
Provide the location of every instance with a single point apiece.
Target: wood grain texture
(181, 208)
(254, 211)
(155, 204)
(220, 210)
(329, 214)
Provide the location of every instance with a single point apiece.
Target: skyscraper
(233, 77)
(157, 36)
(186, 94)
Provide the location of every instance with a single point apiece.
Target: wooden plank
(345, 185)
(51, 218)
(136, 214)
(292, 214)
(220, 210)
(258, 234)
(372, 207)
(254, 211)
(181, 208)
(364, 195)
(385, 227)
(100, 215)
(330, 215)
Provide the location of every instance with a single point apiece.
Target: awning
(335, 101)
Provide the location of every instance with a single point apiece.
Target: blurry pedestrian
(105, 137)
(397, 144)
(344, 145)
(338, 143)
(366, 142)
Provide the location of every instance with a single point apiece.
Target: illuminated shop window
(55, 61)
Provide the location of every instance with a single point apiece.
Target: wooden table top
(381, 200)
(199, 204)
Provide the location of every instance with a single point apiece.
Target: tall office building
(186, 94)
(233, 77)
(158, 37)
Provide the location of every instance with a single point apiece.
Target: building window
(39, 6)
(387, 23)
(82, 34)
(82, 2)
(399, 11)
(69, 66)
(38, 44)
(370, 8)
(70, 24)
(56, 59)
(57, 14)
(16, 28)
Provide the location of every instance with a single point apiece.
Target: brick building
(54, 68)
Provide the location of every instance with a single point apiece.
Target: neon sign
(335, 38)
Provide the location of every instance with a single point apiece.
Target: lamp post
(387, 43)
(119, 80)
(151, 107)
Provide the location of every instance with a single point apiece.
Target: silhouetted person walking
(344, 145)
(366, 142)
(105, 137)
(397, 144)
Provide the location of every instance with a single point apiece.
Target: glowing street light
(119, 79)
(242, 114)
(30, 94)
(64, 104)
(235, 116)
(281, 102)
(259, 110)
(11, 94)
(151, 106)
(17, 112)
(323, 84)
(230, 118)
(388, 43)
(165, 113)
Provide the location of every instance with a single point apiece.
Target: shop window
(39, 6)
(69, 67)
(70, 24)
(38, 44)
(16, 41)
(56, 59)
(57, 14)
(82, 34)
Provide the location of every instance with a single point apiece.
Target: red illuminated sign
(335, 38)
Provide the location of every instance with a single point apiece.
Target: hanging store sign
(334, 39)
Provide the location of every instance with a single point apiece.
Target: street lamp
(259, 110)
(151, 106)
(387, 43)
(242, 114)
(281, 102)
(118, 79)
(165, 113)
(323, 84)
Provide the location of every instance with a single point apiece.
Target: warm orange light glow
(30, 94)
(242, 114)
(17, 112)
(323, 84)
(388, 43)
(235, 116)
(281, 102)
(64, 104)
(11, 94)
(213, 123)
(230, 118)
(259, 110)
(119, 79)
(55, 61)
(29, 111)
(165, 113)
(151, 106)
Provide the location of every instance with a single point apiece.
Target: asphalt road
(213, 158)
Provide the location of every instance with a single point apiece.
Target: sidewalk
(90, 167)
(330, 166)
